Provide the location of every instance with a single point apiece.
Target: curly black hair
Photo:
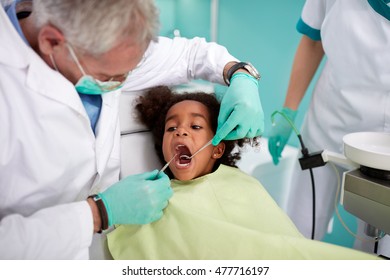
(153, 108)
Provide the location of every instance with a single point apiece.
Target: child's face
(187, 129)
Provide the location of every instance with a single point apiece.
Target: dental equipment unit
(366, 187)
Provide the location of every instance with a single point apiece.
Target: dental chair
(137, 149)
(138, 155)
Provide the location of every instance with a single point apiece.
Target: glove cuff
(241, 65)
(244, 75)
(291, 114)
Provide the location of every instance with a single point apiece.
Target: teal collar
(381, 7)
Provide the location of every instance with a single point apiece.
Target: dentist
(62, 67)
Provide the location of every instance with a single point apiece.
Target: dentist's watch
(241, 65)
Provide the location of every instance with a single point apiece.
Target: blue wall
(191, 17)
(260, 31)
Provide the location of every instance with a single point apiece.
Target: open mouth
(183, 154)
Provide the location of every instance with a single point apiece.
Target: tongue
(184, 159)
(184, 154)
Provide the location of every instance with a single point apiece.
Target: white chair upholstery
(137, 149)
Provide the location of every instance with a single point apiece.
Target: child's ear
(218, 150)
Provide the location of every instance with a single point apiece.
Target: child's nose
(181, 132)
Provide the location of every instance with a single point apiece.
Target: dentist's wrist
(234, 67)
(99, 213)
(227, 68)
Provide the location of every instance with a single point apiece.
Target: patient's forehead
(188, 107)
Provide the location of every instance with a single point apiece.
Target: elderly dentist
(63, 64)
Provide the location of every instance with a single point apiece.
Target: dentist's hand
(241, 114)
(137, 199)
(280, 132)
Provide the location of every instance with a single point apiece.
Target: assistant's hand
(137, 199)
(241, 113)
(280, 132)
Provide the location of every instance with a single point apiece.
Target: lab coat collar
(50, 83)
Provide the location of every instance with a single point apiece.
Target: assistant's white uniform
(50, 159)
(352, 94)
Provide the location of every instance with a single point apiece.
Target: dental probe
(166, 165)
(187, 157)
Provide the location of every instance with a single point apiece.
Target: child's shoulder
(236, 174)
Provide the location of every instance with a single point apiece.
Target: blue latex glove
(241, 114)
(137, 199)
(280, 132)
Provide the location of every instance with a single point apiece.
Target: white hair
(96, 26)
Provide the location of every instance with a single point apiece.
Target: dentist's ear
(49, 38)
(218, 150)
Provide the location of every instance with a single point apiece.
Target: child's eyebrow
(192, 114)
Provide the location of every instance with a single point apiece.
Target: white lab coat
(50, 159)
(352, 94)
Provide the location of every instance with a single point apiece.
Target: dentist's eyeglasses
(110, 84)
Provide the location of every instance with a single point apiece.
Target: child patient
(217, 211)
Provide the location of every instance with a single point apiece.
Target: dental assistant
(62, 68)
(351, 95)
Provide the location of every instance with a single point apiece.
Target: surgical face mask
(89, 85)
